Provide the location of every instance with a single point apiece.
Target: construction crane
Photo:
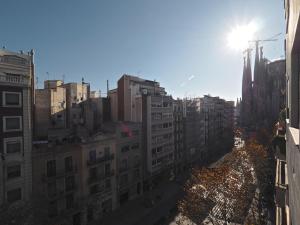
(257, 41)
(273, 38)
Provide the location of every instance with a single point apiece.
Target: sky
(180, 43)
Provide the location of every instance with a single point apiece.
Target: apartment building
(194, 131)
(57, 180)
(129, 156)
(16, 100)
(179, 135)
(67, 110)
(76, 93)
(113, 98)
(158, 137)
(99, 176)
(50, 108)
(145, 101)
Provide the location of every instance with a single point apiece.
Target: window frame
(12, 130)
(13, 140)
(15, 177)
(14, 190)
(11, 92)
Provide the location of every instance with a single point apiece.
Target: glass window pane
(14, 195)
(13, 123)
(12, 99)
(13, 147)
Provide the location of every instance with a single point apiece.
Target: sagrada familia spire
(246, 107)
(261, 98)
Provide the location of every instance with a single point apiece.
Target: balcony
(281, 183)
(100, 177)
(12, 80)
(100, 160)
(59, 174)
(59, 194)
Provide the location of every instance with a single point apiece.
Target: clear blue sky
(180, 43)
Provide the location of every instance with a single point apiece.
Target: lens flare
(240, 35)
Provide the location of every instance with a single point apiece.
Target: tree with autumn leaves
(225, 193)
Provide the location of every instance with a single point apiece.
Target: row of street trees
(226, 193)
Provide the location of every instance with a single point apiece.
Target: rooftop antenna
(63, 78)
(47, 75)
(107, 88)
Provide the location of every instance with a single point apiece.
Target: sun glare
(240, 35)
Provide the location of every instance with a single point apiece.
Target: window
(92, 155)
(107, 184)
(106, 151)
(135, 146)
(51, 187)
(52, 209)
(124, 134)
(107, 169)
(124, 164)
(69, 201)
(90, 213)
(136, 173)
(13, 171)
(125, 148)
(93, 173)
(14, 195)
(68, 164)
(51, 168)
(12, 99)
(70, 183)
(135, 132)
(94, 189)
(12, 123)
(124, 180)
(13, 145)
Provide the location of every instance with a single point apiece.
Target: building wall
(158, 121)
(99, 176)
(16, 75)
(129, 161)
(50, 108)
(292, 9)
(54, 189)
(113, 97)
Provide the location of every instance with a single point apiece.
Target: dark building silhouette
(264, 97)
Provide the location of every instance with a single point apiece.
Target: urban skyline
(150, 112)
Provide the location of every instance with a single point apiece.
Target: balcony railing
(61, 193)
(100, 177)
(15, 80)
(100, 160)
(59, 174)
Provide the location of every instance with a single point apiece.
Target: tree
(226, 193)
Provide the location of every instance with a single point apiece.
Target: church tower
(247, 91)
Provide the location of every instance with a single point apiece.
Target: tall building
(179, 135)
(145, 101)
(16, 123)
(246, 104)
(194, 131)
(291, 208)
(57, 182)
(67, 110)
(262, 98)
(50, 106)
(129, 156)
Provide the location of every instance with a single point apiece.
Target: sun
(239, 36)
